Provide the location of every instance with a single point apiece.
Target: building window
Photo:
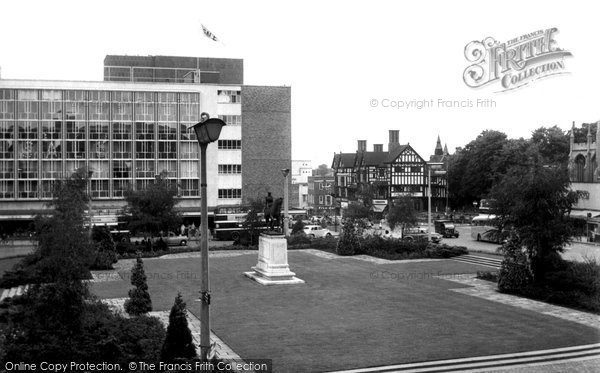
(144, 169)
(28, 189)
(47, 188)
(99, 188)
(170, 167)
(230, 168)
(230, 193)
(167, 149)
(231, 120)
(120, 187)
(144, 130)
(7, 189)
(121, 149)
(75, 149)
(51, 169)
(122, 169)
(122, 130)
(189, 107)
(188, 150)
(229, 97)
(188, 169)
(75, 130)
(99, 130)
(144, 149)
(320, 199)
(99, 169)
(189, 188)
(230, 144)
(167, 131)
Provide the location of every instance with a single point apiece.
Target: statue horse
(273, 215)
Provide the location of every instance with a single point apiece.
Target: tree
(139, 301)
(535, 200)
(298, 227)
(106, 254)
(402, 213)
(64, 251)
(323, 170)
(472, 170)
(553, 144)
(357, 211)
(254, 222)
(153, 210)
(349, 242)
(178, 342)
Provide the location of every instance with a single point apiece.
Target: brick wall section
(266, 140)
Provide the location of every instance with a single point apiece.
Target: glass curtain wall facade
(124, 138)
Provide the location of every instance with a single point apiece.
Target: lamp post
(207, 131)
(437, 171)
(286, 173)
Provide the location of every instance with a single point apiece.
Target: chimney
(362, 145)
(394, 140)
(378, 148)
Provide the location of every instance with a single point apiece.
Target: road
(577, 251)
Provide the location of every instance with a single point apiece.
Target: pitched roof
(392, 155)
(345, 160)
(374, 158)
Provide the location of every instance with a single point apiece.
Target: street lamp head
(208, 130)
(285, 171)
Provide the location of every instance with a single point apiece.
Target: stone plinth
(272, 267)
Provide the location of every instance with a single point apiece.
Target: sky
(349, 63)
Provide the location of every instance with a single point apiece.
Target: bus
(484, 227)
(229, 220)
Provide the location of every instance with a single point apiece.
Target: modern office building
(136, 124)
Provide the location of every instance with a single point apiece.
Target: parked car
(171, 239)
(446, 228)
(316, 231)
(414, 234)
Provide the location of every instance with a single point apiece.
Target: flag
(208, 34)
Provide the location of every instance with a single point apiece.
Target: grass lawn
(352, 313)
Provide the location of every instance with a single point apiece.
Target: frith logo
(516, 62)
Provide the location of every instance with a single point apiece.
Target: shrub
(139, 301)
(160, 245)
(298, 227)
(178, 343)
(51, 324)
(298, 239)
(349, 242)
(515, 273)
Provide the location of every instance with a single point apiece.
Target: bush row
(398, 249)
(566, 283)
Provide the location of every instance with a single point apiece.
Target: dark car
(420, 234)
(446, 228)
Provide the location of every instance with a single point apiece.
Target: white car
(316, 231)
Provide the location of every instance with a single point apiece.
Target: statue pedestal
(272, 267)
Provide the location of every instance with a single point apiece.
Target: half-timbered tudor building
(398, 172)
